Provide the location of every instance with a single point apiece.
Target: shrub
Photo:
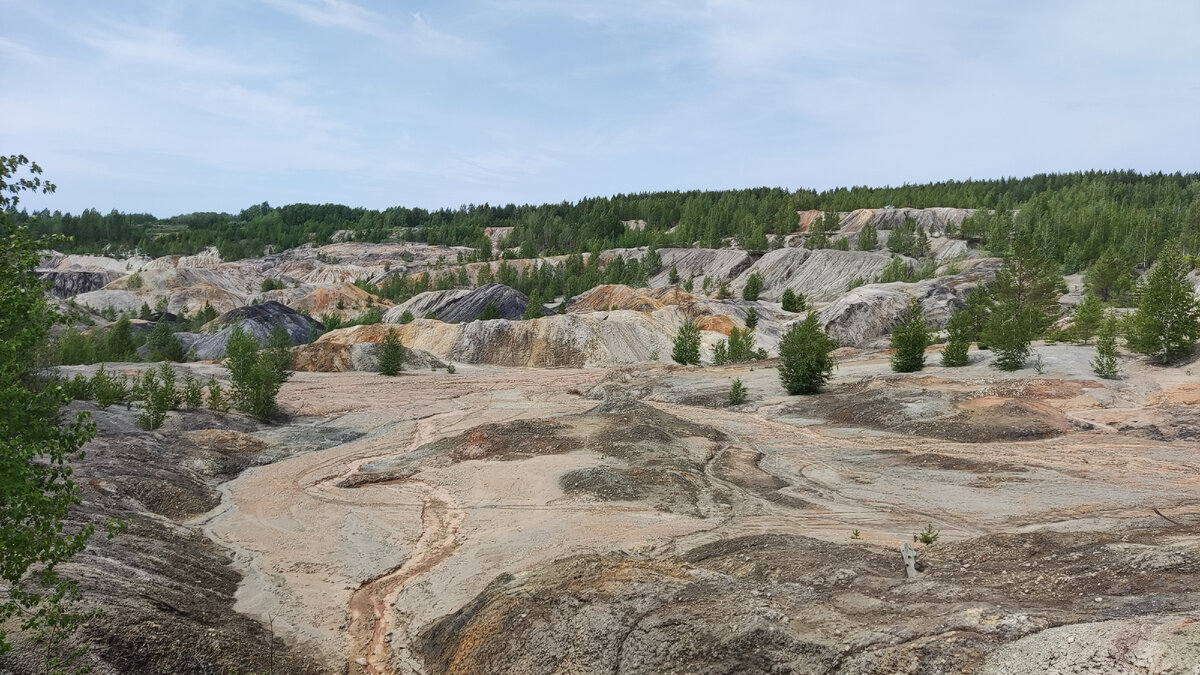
(533, 308)
(391, 358)
(406, 317)
(450, 368)
(109, 389)
(134, 282)
(753, 287)
(1088, 315)
(76, 348)
(751, 319)
(792, 301)
(895, 270)
(216, 397)
(673, 276)
(686, 347)
(118, 343)
(868, 238)
(430, 315)
(368, 318)
(855, 283)
(193, 393)
(927, 536)
(255, 376)
(163, 345)
(737, 393)
(489, 312)
(78, 388)
(805, 363)
(157, 389)
(909, 340)
(270, 284)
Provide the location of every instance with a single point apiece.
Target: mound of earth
(716, 263)
(867, 313)
(356, 348)
(460, 306)
(820, 275)
(790, 604)
(342, 299)
(903, 405)
(166, 590)
(619, 296)
(257, 320)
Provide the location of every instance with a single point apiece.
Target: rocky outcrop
(720, 264)
(208, 258)
(934, 220)
(620, 296)
(73, 282)
(820, 275)
(458, 306)
(868, 313)
(257, 320)
(343, 299)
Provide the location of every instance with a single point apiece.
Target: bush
(406, 317)
(270, 284)
(533, 308)
(134, 282)
(855, 283)
(76, 348)
(805, 363)
(909, 340)
(489, 312)
(163, 345)
(216, 397)
(927, 536)
(737, 393)
(157, 389)
(109, 389)
(78, 388)
(450, 368)
(868, 238)
(391, 358)
(792, 301)
(895, 270)
(193, 393)
(720, 355)
(753, 287)
(751, 319)
(686, 348)
(118, 343)
(1088, 315)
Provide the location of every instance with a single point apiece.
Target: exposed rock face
(869, 312)
(934, 220)
(208, 258)
(820, 275)
(620, 296)
(720, 264)
(356, 348)
(463, 305)
(73, 282)
(257, 320)
(343, 299)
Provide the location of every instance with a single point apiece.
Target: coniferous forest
(1074, 219)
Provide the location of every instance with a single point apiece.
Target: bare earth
(423, 544)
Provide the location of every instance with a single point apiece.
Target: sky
(171, 107)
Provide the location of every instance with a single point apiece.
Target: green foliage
(78, 388)
(927, 536)
(751, 318)
(737, 393)
(36, 447)
(406, 317)
(270, 284)
(144, 312)
(134, 282)
(909, 340)
(450, 368)
(216, 397)
(895, 270)
(533, 309)
(255, 376)
(109, 389)
(119, 344)
(391, 357)
(793, 301)
(720, 355)
(1024, 293)
(855, 283)
(206, 314)
(1167, 322)
(686, 346)
(370, 317)
(909, 239)
(158, 394)
(1106, 364)
(958, 341)
(805, 360)
(840, 244)
(489, 312)
(163, 345)
(76, 348)
(193, 393)
(652, 262)
(820, 229)
(430, 315)
(1111, 277)
(868, 238)
(1087, 315)
(753, 287)
(673, 276)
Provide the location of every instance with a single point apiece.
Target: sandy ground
(357, 572)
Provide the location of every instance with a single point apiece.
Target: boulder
(463, 305)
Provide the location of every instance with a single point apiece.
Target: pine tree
(489, 312)
(737, 393)
(753, 287)
(868, 238)
(909, 340)
(792, 301)
(1106, 364)
(406, 317)
(958, 341)
(1167, 322)
(673, 276)
(979, 305)
(391, 357)
(118, 344)
(805, 361)
(686, 348)
(533, 308)
(1088, 315)
(1024, 291)
(751, 318)
(720, 354)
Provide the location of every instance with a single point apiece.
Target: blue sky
(172, 107)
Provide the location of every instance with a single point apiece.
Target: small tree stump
(910, 560)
